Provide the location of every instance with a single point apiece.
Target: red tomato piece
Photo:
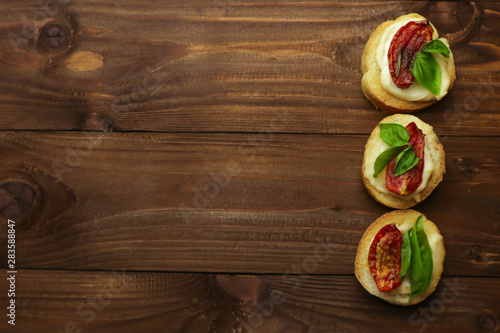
(409, 181)
(384, 257)
(404, 47)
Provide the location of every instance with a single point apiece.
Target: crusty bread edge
(392, 200)
(371, 84)
(361, 268)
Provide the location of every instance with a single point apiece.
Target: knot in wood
(16, 199)
(466, 165)
(488, 321)
(244, 289)
(54, 36)
(96, 123)
(477, 254)
(459, 22)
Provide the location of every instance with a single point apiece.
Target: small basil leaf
(394, 134)
(426, 254)
(400, 155)
(417, 267)
(405, 255)
(427, 72)
(405, 161)
(385, 157)
(436, 46)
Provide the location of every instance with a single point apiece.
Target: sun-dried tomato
(384, 257)
(409, 181)
(404, 47)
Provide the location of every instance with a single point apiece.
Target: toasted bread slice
(371, 84)
(404, 220)
(437, 156)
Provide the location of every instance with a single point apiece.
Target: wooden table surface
(194, 166)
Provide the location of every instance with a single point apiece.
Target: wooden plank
(65, 301)
(226, 66)
(206, 202)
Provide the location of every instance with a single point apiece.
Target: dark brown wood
(226, 66)
(206, 202)
(121, 301)
(257, 170)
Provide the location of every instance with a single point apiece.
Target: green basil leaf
(436, 46)
(398, 159)
(405, 161)
(422, 253)
(394, 134)
(426, 253)
(427, 72)
(384, 158)
(405, 255)
(417, 267)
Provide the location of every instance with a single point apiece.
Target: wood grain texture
(226, 66)
(121, 301)
(257, 170)
(206, 202)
